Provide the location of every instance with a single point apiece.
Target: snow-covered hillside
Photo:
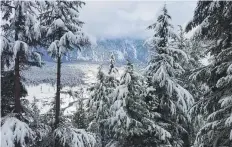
(100, 51)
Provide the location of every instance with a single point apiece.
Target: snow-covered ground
(71, 75)
(41, 87)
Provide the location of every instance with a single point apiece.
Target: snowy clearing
(41, 87)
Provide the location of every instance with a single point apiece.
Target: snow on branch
(20, 46)
(37, 57)
(15, 131)
(53, 49)
(73, 137)
(58, 23)
(67, 42)
(72, 103)
(5, 44)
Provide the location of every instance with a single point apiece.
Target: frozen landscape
(116, 73)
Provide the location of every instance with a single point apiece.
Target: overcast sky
(107, 19)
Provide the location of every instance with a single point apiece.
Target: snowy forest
(155, 92)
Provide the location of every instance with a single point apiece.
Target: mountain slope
(123, 49)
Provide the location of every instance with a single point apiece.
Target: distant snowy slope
(100, 51)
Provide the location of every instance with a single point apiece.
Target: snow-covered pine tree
(183, 44)
(112, 70)
(20, 34)
(214, 22)
(20, 29)
(61, 19)
(63, 27)
(196, 88)
(101, 99)
(193, 47)
(194, 50)
(164, 67)
(99, 104)
(7, 78)
(112, 77)
(130, 119)
(80, 117)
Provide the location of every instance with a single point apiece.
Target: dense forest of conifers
(176, 102)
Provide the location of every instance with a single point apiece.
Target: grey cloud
(105, 19)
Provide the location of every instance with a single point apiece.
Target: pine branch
(5, 4)
(72, 103)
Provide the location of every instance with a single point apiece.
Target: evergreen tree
(172, 101)
(20, 33)
(101, 99)
(80, 117)
(214, 20)
(112, 71)
(99, 105)
(194, 50)
(130, 119)
(61, 20)
(7, 79)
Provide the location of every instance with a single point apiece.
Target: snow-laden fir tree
(101, 98)
(183, 44)
(213, 20)
(7, 78)
(63, 33)
(112, 71)
(172, 101)
(130, 120)
(99, 105)
(80, 116)
(20, 30)
(194, 49)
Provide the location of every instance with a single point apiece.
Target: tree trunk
(57, 107)
(102, 135)
(58, 87)
(186, 140)
(16, 74)
(17, 85)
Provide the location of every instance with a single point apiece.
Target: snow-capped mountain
(123, 49)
